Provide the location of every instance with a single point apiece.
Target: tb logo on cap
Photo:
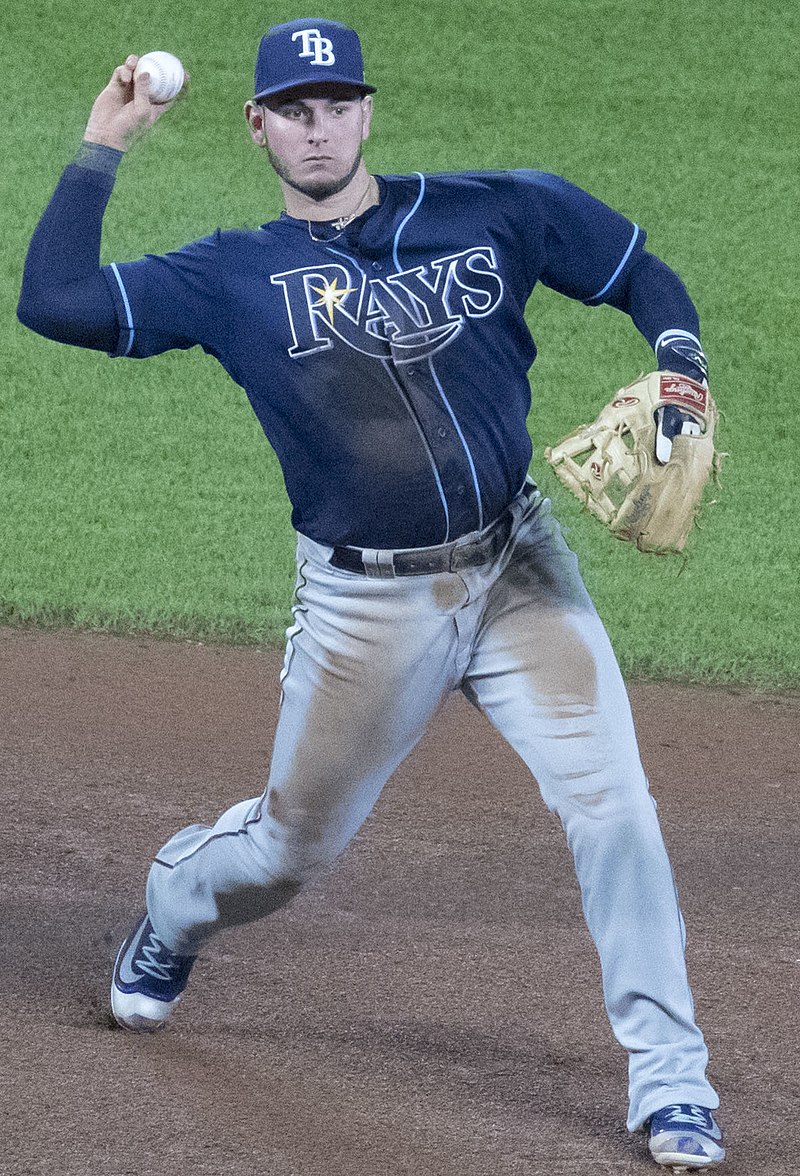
(315, 46)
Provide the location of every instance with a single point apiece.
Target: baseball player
(377, 328)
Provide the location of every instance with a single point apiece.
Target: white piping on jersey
(619, 268)
(406, 219)
(463, 441)
(347, 257)
(667, 337)
(127, 305)
(406, 400)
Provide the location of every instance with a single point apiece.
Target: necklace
(343, 221)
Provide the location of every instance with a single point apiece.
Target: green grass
(143, 496)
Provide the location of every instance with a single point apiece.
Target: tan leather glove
(644, 481)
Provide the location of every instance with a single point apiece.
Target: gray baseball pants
(368, 663)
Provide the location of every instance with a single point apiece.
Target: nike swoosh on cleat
(125, 972)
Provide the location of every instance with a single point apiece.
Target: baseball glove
(642, 465)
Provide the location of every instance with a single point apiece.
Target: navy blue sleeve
(167, 301)
(582, 248)
(63, 295)
(135, 308)
(586, 250)
(659, 304)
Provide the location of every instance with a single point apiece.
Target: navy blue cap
(307, 52)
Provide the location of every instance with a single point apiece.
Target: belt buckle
(468, 555)
(486, 548)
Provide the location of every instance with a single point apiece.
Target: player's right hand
(123, 112)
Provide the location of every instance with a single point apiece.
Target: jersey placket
(447, 449)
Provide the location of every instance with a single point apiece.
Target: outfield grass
(143, 496)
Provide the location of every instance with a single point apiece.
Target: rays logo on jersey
(408, 315)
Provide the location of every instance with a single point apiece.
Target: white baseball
(166, 75)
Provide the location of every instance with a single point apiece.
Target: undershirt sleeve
(64, 295)
(659, 304)
(137, 308)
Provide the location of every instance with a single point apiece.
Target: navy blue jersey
(387, 363)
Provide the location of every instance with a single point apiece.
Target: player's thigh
(544, 671)
(368, 662)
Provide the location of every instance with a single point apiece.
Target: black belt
(427, 561)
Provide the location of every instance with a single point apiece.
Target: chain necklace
(343, 221)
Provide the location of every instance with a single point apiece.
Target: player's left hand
(672, 422)
(642, 465)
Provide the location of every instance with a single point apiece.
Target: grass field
(142, 496)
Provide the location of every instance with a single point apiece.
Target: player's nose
(317, 128)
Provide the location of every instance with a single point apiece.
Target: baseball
(166, 75)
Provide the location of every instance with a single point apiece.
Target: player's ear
(366, 115)
(255, 120)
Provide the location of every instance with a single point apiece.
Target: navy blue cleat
(685, 1137)
(148, 980)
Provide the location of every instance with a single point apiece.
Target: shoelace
(148, 961)
(688, 1115)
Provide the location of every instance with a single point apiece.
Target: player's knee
(298, 841)
(623, 800)
(285, 859)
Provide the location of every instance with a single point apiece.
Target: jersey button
(376, 265)
(442, 431)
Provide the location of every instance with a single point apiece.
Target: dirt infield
(433, 1006)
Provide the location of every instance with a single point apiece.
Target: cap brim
(314, 86)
